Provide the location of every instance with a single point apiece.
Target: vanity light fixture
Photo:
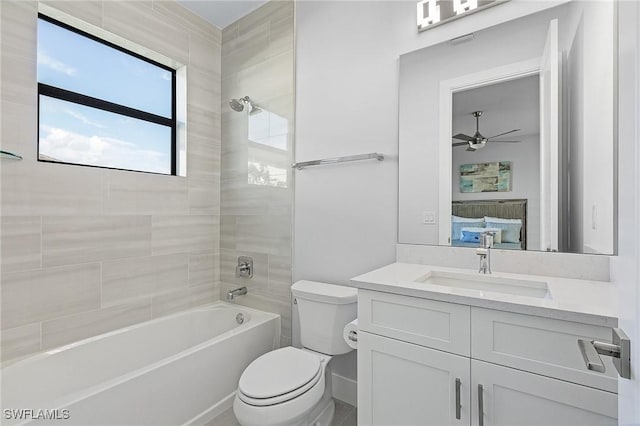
(432, 13)
(428, 13)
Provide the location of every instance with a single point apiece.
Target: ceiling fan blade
(471, 149)
(463, 137)
(505, 133)
(505, 141)
(460, 143)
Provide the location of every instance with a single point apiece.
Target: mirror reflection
(511, 131)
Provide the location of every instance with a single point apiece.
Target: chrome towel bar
(373, 155)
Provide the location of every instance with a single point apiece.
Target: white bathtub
(179, 369)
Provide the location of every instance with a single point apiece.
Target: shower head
(236, 105)
(239, 104)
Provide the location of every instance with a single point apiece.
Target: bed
(509, 210)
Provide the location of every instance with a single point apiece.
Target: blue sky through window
(75, 133)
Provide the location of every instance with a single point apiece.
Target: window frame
(104, 105)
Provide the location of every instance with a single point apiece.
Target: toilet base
(325, 415)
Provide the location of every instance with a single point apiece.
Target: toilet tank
(324, 309)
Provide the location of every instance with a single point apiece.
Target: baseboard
(212, 412)
(344, 389)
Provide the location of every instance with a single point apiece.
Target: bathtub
(179, 369)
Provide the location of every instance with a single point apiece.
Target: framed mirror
(511, 130)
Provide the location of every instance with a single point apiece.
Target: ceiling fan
(478, 141)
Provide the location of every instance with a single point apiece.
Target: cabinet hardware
(619, 350)
(458, 406)
(480, 407)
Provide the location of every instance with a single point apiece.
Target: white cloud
(84, 119)
(70, 147)
(56, 65)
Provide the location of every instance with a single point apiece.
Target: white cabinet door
(405, 384)
(511, 397)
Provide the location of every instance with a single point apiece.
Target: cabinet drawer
(539, 345)
(429, 323)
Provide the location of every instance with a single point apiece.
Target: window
(101, 105)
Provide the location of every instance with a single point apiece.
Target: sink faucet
(484, 251)
(231, 296)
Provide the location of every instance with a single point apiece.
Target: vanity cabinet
(428, 362)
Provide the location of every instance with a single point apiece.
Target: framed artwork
(486, 177)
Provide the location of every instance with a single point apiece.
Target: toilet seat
(280, 376)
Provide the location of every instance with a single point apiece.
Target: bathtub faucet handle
(231, 296)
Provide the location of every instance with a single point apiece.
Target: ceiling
(221, 13)
(506, 106)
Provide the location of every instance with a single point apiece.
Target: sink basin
(488, 283)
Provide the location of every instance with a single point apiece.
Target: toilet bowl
(291, 386)
(285, 387)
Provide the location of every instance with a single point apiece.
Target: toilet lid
(279, 372)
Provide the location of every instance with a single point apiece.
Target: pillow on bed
(497, 234)
(455, 218)
(456, 228)
(471, 235)
(510, 228)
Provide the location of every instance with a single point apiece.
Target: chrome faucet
(231, 296)
(484, 251)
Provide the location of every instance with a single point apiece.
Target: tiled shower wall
(257, 151)
(86, 250)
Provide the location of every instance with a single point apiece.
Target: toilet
(291, 386)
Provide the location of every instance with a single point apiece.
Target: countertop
(589, 302)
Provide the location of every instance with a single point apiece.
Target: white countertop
(590, 302)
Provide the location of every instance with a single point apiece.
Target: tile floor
(345, 415)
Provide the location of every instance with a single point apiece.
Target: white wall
(347, 103)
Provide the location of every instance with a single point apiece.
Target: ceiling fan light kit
(478, 141)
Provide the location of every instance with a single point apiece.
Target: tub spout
(231, 296)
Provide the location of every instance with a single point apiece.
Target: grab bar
(373, 155)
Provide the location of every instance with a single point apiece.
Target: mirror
(511, 130)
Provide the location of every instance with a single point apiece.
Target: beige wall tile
(280, 275)
(141, 193)
(61, 331)
(204, 195)
(19, 28)
(129, 279)
(264, 234)
(205, 54)
(20, 243)
(33, 296)
(184, 233)
(68, 240)
(185, 299)
(203, 156)
(86, 10)
(228, 232)
(203, 90)
(271, 11)
(246, 50)
(18, 135)
(204, 268)
(50, 189)
(20, 341)
(190, 21)
(138, 22)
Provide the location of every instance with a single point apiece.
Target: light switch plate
(429, 217)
